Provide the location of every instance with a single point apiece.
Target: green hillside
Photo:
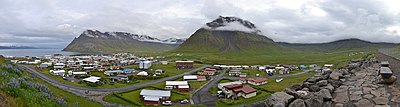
(19, 89)
(340, 45)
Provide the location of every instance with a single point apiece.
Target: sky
(55, 23)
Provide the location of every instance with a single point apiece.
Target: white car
(167, 103)
(184, 101)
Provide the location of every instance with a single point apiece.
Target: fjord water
(34, 52)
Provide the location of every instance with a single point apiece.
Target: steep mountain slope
(340, 45)
(109, 42)
(228, 34)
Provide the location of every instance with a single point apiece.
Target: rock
(307, 84)
(325, 94)
(339, 105)
(381, 106)
(380, 100)
(296, 87)
(279, 97)
(335, 75)
(390, 80)
(279, 105)
(314, 88)
(312, 80)
(329, 87)
(349, 104)
(295, 94)
(327, 104)
(368, 96)
(314, 101)
(367, 89)
(322, 83)
(341, 97)
(364, 103)
(297, 103)
(305, 89)
(335, 83)
(355, 97)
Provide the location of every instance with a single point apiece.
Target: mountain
(228, 34)
(110, 42)
(340, 45)
(17, 47)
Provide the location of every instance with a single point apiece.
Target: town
(234, 83)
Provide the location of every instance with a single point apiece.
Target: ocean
(34, 52)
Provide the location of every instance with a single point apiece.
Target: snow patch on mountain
(125, 35)
(232, 24)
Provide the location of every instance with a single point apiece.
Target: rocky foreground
(355, 85)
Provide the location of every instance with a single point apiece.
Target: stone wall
(354, 85)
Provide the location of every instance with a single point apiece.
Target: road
(203, 96)
(98, 93)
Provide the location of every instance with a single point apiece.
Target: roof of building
(245, 89)
(229, 83)
(183, 86)
(233, 86)
(184, 61)
(92, 79)
(386, 70)
(151, 98)
(143, 73)
(176, 83)
(259, 80)
(190, 77)
(201, 77)
(158, 93)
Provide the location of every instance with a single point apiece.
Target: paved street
(203, 96)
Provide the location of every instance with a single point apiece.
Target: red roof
(209, 69)
(245, 89)
(259, 80)
(242, 79)
(233, 86)
(201, 77)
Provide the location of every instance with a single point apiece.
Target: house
(330, 66)
(128, 71)
(258, 81)
(206, 73)
(184, 64)
(113, 72)
(77, 73)
(194, 78)
(154, 97)
(237, 90)
(143, 74)
(45, 65)
(164, 62)
(221, 85)
(57, 72)
(234, 72)
(144, 64)
(119, 78)
(243, 75)
(159, 71)
(59, 66)
(92, 79)
(181, 86)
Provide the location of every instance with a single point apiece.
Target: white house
(59, 66)
(175, 84)
(143, 73)
(57, 72)
(92, 79)
(154, 97)
(144, 64)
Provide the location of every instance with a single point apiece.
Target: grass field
(131, 98)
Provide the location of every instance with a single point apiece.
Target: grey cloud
(55, 23)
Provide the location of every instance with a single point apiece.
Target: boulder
(327, 104)
(297, 103)
(322, 83)
(314, 101)
(295, 94)
(329, 87)
(307, 84)
(296, 87)
(312, 80)
(390, 80)
(335, 75)
(279, 105)
(325, 94)
(279, 97)
(314, 88)
(335, 83)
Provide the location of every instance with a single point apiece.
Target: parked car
(184, 101)
(167, 103)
